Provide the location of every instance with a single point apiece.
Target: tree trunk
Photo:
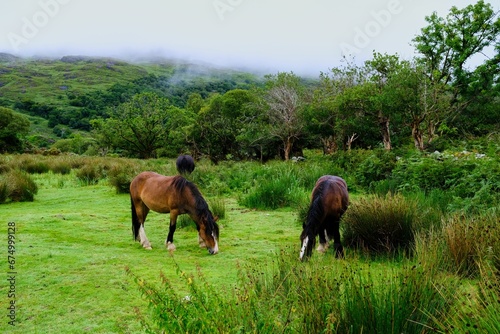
(384, 130)
(417, 135)
(350, 140)
(288, 148)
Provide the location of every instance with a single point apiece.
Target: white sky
(305, 37)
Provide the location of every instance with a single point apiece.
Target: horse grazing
(329, 201)
(185, 164)
(174, 195)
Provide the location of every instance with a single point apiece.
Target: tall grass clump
(90, 173)
(60, 166)
(479, 310)
(17, 186)
(218, 207)
(461, 243)
(4, 190)
(278, 187)
(31, 164)
(381, 224)
(121, 174)
(285, 295)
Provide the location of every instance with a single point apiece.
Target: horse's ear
(303, 225)
(216, 218)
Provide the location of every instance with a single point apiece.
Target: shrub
(376, 167)
(4, 191)
(20, 186)
(90, 174)
(60, 167)
(121, 174)
(380, 224)
(472, 179)
(34, 166)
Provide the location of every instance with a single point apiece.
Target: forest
(447, 94)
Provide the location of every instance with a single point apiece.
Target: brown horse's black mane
(315, 211)
(201, 206)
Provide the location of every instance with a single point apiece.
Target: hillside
(53, 81)
(72, 90)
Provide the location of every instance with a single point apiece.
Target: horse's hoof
(322, 248)
(170, 246)
(148, 248)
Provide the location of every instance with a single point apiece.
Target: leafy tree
(220, 123)
(139, 127)
(13, 127)
(447, 45)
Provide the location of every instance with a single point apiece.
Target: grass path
(74, 242)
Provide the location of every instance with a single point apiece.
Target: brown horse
(174, 195)
(329, 201)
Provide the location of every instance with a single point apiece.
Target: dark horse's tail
(135, 221)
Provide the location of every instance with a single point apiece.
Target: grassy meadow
(74, 242)
(413, 264)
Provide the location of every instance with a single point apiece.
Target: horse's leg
(169, 242)
(323, 240)
(337, 246)
(142, 212)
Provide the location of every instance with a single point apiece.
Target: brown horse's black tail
(135, 221)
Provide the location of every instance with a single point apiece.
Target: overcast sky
(305, 37)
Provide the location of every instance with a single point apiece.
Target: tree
(447, 45)
(139, 127)
(13, 127)
(220, 123)
(283, 100)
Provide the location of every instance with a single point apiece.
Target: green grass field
(77, 269)
(74, 242)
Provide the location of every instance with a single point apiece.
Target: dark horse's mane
(201, 206)
(315, 212)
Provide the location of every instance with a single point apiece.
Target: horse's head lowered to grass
(329, 201)
(174, 195)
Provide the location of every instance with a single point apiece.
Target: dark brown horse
(174, 195)
(329, 201)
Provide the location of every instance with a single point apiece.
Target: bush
(4, 191)
(380, 224)
(376, 167)
(18, 187)
(120, 175)
(472, 179)
(34, 166)
(90, 174)
(60, 167)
